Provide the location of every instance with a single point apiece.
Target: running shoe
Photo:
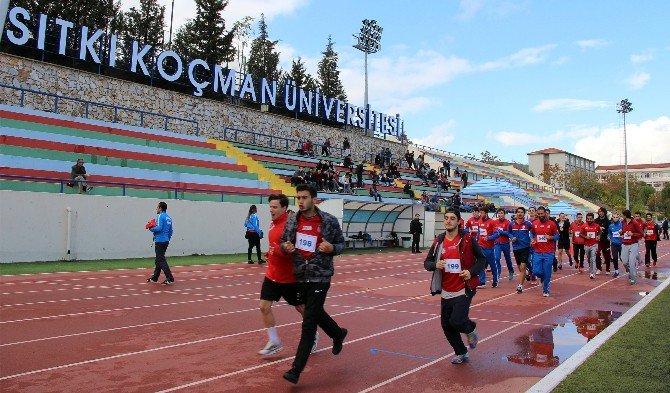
(519, 289)
(570, 262)
(270, 349)
(481, 286)
(168, 282)
(581, 270)
(545, 294)
(598, 272)
(633, 282)
(473, 339)
(627, 270)
(654, 263)
(337, 344)
(533, 282)
(250, 262)
(607, 271)
(527, 277)
(316, 342)
(460, 359)
(261, 262)
(560, 267)
(555, 269)
(592, 276)
(292, 375)
(153, 280)
(494, 285)
(616, 274)
(646, 265)
(511, 276)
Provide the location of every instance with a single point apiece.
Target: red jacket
(280, 265)
(472, 259)
(651, 231)
(504, 226)
(544, 233)
(634, 228)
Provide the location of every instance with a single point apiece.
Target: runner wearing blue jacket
(614, 236)
(519, 232)
(162, 234)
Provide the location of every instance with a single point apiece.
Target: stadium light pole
(171, 20)
(368, 42)
(623, 108)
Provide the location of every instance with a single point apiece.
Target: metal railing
(275, 142)
(88, 106)
(125, 186)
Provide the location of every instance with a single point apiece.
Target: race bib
(452, 265)
(627, 236)
(650, 232)
(474, 229)
(305, 242)
(577, 234)
(591, 235)
(616, 234)
(541, 239)
(482, 232)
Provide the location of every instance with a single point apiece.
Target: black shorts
(273, 291)
(564, 246)
(521, 256)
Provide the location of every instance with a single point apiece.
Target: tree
(146, 25)
(329, 74)
(584, 184)
(664, 200)
(300, 76)
(489, 158)
(243, 31)
(205, 37)
(554, 176)
(263, 58)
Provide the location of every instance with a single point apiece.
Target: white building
(656, 175)
(541, 159)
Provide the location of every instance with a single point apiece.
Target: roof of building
(551, 150)
(635, 166)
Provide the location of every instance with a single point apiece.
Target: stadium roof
(636, 166)
(551, 150)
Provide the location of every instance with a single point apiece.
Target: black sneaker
(151, 279)
(292, 375)
(261, 262)
(337, 344)
(250, 262)
(168, 282)
(494, 285)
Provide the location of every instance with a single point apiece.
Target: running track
(111, 331)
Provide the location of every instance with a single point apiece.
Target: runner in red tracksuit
(652, 233)
(472, 225)
(543, 233)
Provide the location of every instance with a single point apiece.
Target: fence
(275, 142)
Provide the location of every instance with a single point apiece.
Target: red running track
(110, 331)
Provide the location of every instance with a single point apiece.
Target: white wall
(33, 226)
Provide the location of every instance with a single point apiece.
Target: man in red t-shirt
(576, 229)
(543, 234)
(455, 260)
(472, 225)
(279, 281)
(652, 233)
(591, 234)
(501, 247)
(488, 232)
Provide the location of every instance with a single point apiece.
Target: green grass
(635, 359)
(134, 263)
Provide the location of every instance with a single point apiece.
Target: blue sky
(505, 76)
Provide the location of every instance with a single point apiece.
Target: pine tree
(329, 75)
(263, 59)
(145, 25)
(205, 37)
(300, 76)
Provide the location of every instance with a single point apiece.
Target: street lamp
(625, 107)
(368, 42)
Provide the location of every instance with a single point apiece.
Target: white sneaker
(598, 272)
(270, 349)
(592, 276)
(316, 342)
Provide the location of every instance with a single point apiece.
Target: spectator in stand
(464, 177)
(345, 144)
(384, 179)
(378, 160)
(388, 156)
(305, 148)
(373, 191)
(435, 202)
(309, 176)
(457, 172)
(447, 167)
(456, 200)
(418, 163)
(407, 189)
(432, 176)
(300, 147)
(298, 177)
(347, 162)
(319, 179)
(321, 165)
(78, 174)
(409, 157)
(325, 149)
(330, 166)
(443, 183)
(346, 183)
(359, 175)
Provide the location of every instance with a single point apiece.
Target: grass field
(635, 359)
(135, 263)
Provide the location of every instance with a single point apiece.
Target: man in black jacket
(416, 229)
(456, 261)
(603, 242)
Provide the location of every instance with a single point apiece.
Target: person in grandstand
(591, 234)
(456, 259)
(487, 235)
(652, 233)
(253, 234)
(630, 232)
(279, 281)
(543, 234)
(614, 236)
(162, 231)
(313, 237)
(416, 229)
(519, 232)
(464, 178)
(78, 174)
(409, 157)
(603, 243)
(564, 241)
(576, 229)
(501, 247)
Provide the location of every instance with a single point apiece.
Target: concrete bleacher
(38, 149)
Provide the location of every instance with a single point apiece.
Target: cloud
(569, 104)
(467, 9)
(439, 136)
(592, 43)
(511, 138)
(638, 80)
(646, 142)
(523, 57)
(644, 56)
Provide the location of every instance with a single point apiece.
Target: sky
(505, 76)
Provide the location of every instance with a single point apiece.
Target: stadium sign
(223, 81)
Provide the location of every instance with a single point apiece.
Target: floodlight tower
(623, 108)
(368, 42)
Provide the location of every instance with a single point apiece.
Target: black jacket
(416, 227)
(604, 224)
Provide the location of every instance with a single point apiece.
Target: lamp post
(623, 108)
(171, 20)
(368, 42)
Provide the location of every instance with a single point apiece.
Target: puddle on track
(550, 346)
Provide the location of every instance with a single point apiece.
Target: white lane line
(426, 365)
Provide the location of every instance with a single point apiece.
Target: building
(656, 175)
(541, 159)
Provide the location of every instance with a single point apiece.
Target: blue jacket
(163, 229)
(614, 227)
(521, 233)
(252, 224)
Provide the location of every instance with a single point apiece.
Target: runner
(603, 243)
(591, 234)
(455, 260)
(652, 233)
(630, 232)
(279, 281)
(576, 229)
(519, 230)
(532, 216)
(472, 224)
(543, 233)
(487, 234)
(564, 241)
(614, 235)
(501, 246)
(313, 237)
(555, 264)
(640, 221)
